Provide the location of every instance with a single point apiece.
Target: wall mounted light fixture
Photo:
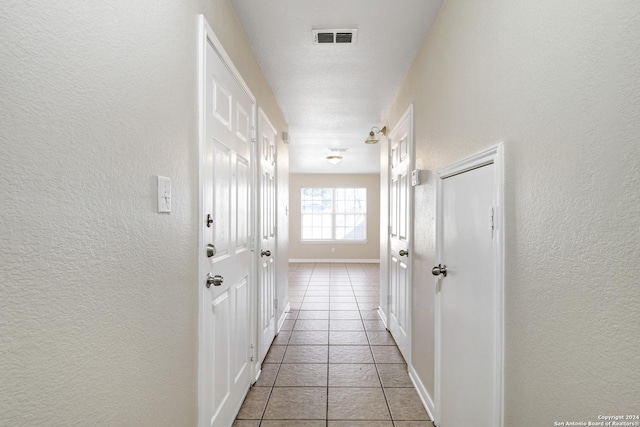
(373, 135)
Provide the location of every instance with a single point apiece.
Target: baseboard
(422, 392)
(383, 317)
(255, 380)
(345, 261)
(283, 317)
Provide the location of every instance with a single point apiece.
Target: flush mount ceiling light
(373, 135)
(335, 155)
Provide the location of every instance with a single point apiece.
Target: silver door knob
(211, 250)
(439, 269)
(403, 253)
(265, 253)
(214, 280)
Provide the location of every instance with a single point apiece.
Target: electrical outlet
(164, 194)
(333, 250)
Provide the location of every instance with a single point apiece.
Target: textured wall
(559, 83)
(98, 292)
(368, 251)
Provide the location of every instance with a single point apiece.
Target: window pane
(326, 233)
(360, 227)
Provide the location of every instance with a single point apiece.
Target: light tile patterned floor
(333, 363)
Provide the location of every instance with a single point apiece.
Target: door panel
(241, 328)
(467, 301)
(267, 285)
(243, 214)
(400, 229)
(221, 196)
(225, 332)
(221, 322)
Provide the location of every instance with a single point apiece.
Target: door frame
(206, 35)
(492, 155)
(407, 115)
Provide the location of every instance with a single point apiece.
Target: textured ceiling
(332, 95)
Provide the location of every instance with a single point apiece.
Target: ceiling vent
(341, 36)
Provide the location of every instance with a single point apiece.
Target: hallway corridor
(333, 363)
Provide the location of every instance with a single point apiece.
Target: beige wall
(98, 292)
(322, 251)
(558, 82)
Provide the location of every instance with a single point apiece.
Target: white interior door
(225, 329)
(267, 249)
(468, 347)
(400, 232)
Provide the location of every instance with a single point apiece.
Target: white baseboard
(345, 261)
(283, 317)
(422, 392)
(383, 317)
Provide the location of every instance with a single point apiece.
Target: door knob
(211, 250)
(265, 253)
(214, 280)
(439, 269)
(403, 253)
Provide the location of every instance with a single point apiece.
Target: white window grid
(333, 214)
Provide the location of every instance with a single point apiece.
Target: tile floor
(333, 363)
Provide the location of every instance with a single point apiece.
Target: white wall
(98, 292)
(369, 251)
(559, 82)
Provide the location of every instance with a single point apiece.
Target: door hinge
(491, 218)
(388, 299)
(251, 352)
(253, 134)
(275, 303)
(389, 231)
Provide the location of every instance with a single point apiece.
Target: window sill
(334, 242)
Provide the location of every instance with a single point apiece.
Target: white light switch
(164, 194)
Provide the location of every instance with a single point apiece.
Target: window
(334, 214)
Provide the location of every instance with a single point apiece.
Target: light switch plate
(164, 194)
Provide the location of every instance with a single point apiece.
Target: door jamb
(205, 35)
(493, 155)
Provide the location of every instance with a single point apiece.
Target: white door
(400, 229)
(225, 329)
(267, 240)
(468, 307)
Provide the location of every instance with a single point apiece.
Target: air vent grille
(335, 36)
(344, 37)
(324, 38)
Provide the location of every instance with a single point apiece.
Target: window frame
(333, 215)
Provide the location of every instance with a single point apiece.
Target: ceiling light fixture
(335, 155)
(373, 139)
(334, 160)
